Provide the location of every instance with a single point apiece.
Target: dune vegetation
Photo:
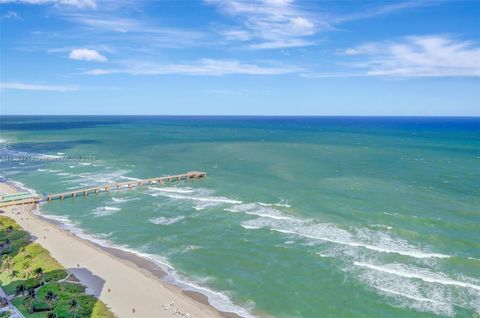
(40, 286)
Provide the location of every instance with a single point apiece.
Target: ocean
(299, 216)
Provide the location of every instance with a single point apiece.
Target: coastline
(122, 280)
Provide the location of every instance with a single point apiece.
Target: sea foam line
(330, 233)
(202, 199)
(167, 221)
(173, 190)
(262, 211)
(394, 292)
(426, 278)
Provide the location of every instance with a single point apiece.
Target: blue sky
(228, 57)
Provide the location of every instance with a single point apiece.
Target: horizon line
(244, 116)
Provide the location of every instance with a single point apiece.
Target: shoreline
(150, 273)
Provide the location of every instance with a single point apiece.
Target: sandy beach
(115, 277)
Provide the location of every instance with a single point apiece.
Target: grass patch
(29, 272)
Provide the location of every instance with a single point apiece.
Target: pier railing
(106, 188)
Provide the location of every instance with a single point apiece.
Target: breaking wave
(166, 221)
(105, 210)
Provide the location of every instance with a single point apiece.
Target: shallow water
(299, 217)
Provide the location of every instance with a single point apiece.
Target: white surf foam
(105, 210)
(416, 273)
(258, 210)
(250, 227)
(285, 205)
(441, 305)
(172, 190)
(362, 238)
(129, 178)
(219, 300)
(416, 298)
(67, 224)
(167, 221)
(21, 186)
(388, 213)
(122, 200)
(209, 200)
(95, 178)
(419, 288)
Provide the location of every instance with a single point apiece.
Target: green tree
(51, 298)
(7, 245)
(52, 315)
(20, 289)
(14, 273)
(73, 307)
(7, 263)
(39, 273)
(27, 270)
(30, 299)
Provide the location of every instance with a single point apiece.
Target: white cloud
(281, 44)
(418, 56)
(37, 87)
(274, 24)
(267, 23)
(83, 4)
(389, 8)
(87, 55)
(11, 15)
(137, 35)
(240, 35)
(208, 67)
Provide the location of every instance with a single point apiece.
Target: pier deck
(106, 187)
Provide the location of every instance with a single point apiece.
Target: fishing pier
(26, 198)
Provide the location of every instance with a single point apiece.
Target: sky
(240, 57)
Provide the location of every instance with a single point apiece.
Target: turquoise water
(299, 217)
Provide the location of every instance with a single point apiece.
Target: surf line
(427, 279)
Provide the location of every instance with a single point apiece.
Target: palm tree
(51, 298)
(30, 299)
(52, 315)
(9, 229)
(7, 244)
(3, 302)
(14, 273)
(73, 307)
(27, 270)
(7, 263)
(39, 273)
(20, 289)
